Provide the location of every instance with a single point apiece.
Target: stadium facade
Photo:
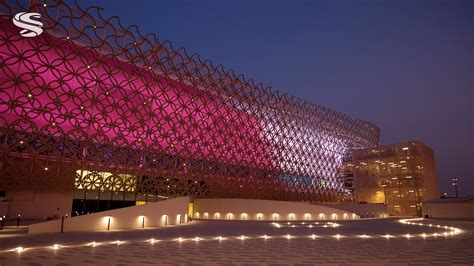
(105, 114)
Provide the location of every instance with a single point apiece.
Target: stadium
(100, 115)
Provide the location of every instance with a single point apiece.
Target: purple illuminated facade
(91, 105)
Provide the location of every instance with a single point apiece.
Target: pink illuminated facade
(93, 106)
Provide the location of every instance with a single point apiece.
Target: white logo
(31, 28)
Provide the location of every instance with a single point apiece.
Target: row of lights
(275, 216)
(306, 224)
(413, 221)
(452, 231)
(243, 237)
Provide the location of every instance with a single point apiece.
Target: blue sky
(406, 66)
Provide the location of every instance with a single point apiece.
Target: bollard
(62, 224)
(1, 219)
(18, 221)
(108, 224)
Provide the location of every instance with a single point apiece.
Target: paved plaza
(360, 242)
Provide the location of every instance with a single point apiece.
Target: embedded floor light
(19, 249)
(450, 231)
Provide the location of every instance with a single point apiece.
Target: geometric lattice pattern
(89, 94)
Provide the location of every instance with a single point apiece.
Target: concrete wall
(248, 209)
(366, 210)
(162, 213)
(36, 204)
(452, 210)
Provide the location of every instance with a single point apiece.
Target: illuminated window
(105, 181)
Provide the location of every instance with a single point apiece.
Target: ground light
(293, 225)
(19, 249)
(451, 231)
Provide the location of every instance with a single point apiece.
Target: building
(400, 175)
(96, 116)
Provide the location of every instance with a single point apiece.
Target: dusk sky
(406, 66)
